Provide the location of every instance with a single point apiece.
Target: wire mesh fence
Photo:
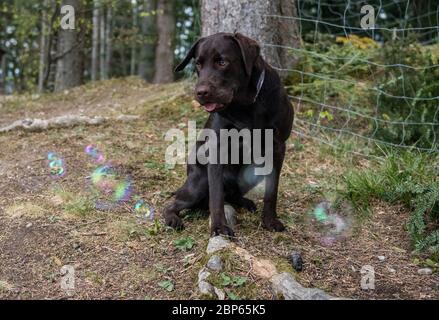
(357, 88)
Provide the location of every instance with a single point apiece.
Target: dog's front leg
(216, 201)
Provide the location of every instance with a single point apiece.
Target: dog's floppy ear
(189, 56)
(250, 51)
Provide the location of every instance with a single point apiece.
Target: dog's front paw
(174, 221)
(248, 205)
(222, 229)
(273, 225)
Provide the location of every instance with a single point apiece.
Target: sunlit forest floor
(46, 223)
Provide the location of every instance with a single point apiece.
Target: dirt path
(47, 223)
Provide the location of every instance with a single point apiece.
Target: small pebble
(425, 271)
(296, 260)
(381, 258)
(29, 225)
(391, 270)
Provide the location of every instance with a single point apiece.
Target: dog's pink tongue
(212, 106)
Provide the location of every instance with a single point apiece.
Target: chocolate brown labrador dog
(240, 91)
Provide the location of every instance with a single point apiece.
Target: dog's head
(224, 64)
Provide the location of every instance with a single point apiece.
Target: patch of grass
(95, 278)
(156, 228)
(127, 229)
(13, 104)
(79, 206)
(409, 178)
(26, 209)
(361, 186)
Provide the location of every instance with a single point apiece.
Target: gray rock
(127, 117)
(206, 288)
(425, 271)
(230, 214)
(381, 258)
(296, 261)
(203, 286)
(317, 294)
(216, 244)
(221, 295)
(215, 263)
(203, 274)
(285, 284)
(29, 225)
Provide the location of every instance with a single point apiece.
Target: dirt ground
(46, 223)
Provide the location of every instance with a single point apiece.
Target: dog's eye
(221, 63)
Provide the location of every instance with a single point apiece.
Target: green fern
(424, 204)
(431, 241)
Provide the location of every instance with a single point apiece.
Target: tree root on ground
(62, 122)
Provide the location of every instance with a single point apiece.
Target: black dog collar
(260, 84)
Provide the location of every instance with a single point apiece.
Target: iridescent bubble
(330, 225)
(143, 211)
(248, 177)
(56, 165)
(51, 156)
(110, 184)
(320, 214)
(94, 153)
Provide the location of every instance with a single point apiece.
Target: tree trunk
(95, 41)
(134, 44)
(49, 77)
(146, 62)
(4, 71)
(69, 67)
(109, 41)
(258, 20)
(44, 46)
(164, 54)
(102, 44)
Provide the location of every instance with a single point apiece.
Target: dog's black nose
(202, 92)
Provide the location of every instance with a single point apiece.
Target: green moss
(282, 265)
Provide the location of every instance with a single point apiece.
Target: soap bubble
(94, 153)
(110, 184)
(143, 211)
(56, 165)
(329, 224)
(248, 177)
